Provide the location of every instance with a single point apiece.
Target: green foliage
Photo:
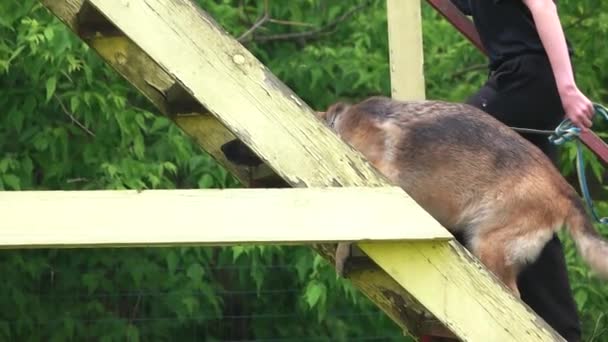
(70, 122)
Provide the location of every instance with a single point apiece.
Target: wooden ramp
(215, 90)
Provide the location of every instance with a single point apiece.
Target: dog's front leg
(343, 253)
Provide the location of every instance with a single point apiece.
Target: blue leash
(566, 131)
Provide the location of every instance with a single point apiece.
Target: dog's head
(333, 115)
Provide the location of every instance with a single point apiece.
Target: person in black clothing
(531, 84)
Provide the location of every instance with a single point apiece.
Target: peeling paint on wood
(211, 135)
(189, 47)
(151, 81)
(459, 291)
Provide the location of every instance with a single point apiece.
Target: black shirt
(506, 28)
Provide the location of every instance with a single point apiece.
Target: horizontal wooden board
(209, 217)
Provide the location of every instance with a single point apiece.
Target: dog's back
(473, 174)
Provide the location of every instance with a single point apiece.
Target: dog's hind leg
(493, 253)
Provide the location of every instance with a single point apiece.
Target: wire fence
(231, 311)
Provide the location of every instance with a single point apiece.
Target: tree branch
(263, 19)
(470, 68)
(74, 120)
(326, 29)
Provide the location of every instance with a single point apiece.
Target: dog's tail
(590, 244)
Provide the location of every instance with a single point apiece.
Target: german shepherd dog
(474, 175)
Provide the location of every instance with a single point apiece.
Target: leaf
(91, 281)
(206, 181)
(132, 333)
(49, 33)
(581, 298)
(17, 117)
(5, 331)
(12, 181)
(172, 261)
(190, 303)
(69, 326)
(170, 167)
(302, 266)
(16, 53)
(315, 293)
(195, 272)
(74, 103)
(137, 274)
(236, 252)
(159, 124)
(51, 83)
(4, 164)
(138, 145)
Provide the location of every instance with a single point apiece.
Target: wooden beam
(121, 53)
(210, 217)
(241, 92)
(160, 87)
(279, 127)
(433, 272)
(405, 49)
(454, 16)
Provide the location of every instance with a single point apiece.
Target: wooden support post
(278, 126)
(173, 217)
(405, 48)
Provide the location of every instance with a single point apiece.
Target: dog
(474, 175)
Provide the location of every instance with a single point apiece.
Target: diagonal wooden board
(216, 70)
(108, 218)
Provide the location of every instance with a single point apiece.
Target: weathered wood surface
(257, 108)
(241, 92)
(158, 86)
(123, 55)
(210, 217)
(449, 280)
(405, 49)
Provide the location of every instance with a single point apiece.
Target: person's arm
(577, 107)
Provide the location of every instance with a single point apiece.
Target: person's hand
(578, 108)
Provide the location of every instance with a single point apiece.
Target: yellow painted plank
(210, 217)
(257, 108)
(146, 76)
(405, 49)
(245, 96)
(374, 283)
(459, 291)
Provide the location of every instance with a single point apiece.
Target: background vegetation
(69, 122)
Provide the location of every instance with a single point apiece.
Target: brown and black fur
(474, 175)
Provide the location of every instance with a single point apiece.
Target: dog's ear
(334, 111)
